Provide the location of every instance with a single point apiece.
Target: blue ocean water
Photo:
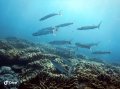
(20, 18)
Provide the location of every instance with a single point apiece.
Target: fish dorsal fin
(99, 24)
(54, 31)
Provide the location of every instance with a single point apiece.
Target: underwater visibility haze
(65, 33)
(21, 18)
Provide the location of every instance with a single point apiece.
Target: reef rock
(32, 66)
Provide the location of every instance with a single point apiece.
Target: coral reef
(7, 75)
(33, 66)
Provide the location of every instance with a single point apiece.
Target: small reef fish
(63, 25)
(60, 68)
(89, 27)
(83, 45)
(60, 42)
(45, 31)
(101, 52)
(49, 16)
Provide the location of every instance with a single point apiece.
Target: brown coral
(32, 63)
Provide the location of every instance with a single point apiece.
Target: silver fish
(63, 25)
(83, 45)
(60, 42)
(45, 31)
(49, 16)
(101, 52)
(89, 27)
(59, 67)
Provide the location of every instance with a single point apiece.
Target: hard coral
(45, 81)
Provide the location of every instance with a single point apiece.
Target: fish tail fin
(99, 24)
(54, 31)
